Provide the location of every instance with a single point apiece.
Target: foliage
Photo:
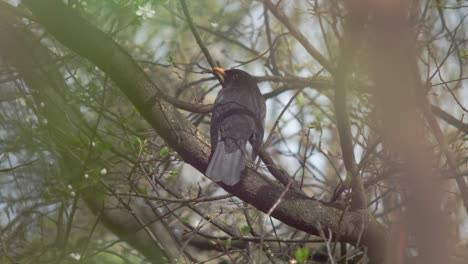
(86, 179)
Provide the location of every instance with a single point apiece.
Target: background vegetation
(104, 119)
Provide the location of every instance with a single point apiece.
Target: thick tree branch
(295, 210)
(353, 27)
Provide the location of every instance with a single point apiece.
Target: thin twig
(196, 35)
(299, 36)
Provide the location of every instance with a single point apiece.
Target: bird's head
(235, 78)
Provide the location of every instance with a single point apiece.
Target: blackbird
(238, 116)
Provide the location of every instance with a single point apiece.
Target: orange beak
(219, 71)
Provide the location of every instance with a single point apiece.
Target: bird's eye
(235, 77)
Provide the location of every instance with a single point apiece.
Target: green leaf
(300, 100)
(138, 141)
(171, 57)
(464, 54)
(245, 230)
(142, 190)
(139, 144)
(172, 175)
(302, 254)
(228, 243)
(319, 117)
(185, 220)
(163, 152)
(315, 125)
(312, 125)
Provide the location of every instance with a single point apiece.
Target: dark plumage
(238, 116)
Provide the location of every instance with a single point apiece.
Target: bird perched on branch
(238, 116)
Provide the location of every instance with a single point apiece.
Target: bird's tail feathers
(226, 167)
